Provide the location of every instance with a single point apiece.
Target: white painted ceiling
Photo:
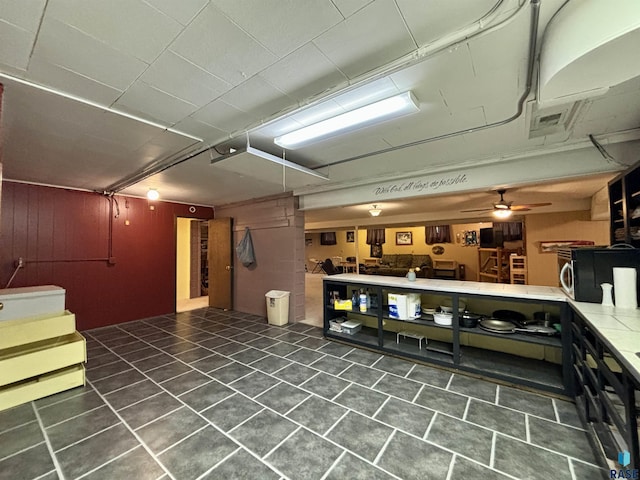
(206, 75)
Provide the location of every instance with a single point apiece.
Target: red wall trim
(63, 237)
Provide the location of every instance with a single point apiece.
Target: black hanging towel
(245, 249)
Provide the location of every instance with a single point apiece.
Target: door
(221, 263)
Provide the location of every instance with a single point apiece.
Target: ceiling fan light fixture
(386, 109)
(375, 211)
(502, 213)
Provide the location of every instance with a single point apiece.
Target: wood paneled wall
(64, 238)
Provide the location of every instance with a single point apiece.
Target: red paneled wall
(64, 238)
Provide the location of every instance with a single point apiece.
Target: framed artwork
(551, 246)
(308, 242)
(404, 238)
(351, 238)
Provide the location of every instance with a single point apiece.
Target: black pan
(502, 326)
(509, 315)
(469, 320)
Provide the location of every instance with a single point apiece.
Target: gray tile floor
(212, 395)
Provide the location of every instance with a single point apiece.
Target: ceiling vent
(553, 120)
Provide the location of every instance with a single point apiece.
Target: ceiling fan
(504, 209)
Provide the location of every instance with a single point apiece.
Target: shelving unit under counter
(521, 358)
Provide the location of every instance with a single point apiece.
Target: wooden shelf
(493, 263)
(624, 192)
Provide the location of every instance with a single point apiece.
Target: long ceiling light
(386, 109)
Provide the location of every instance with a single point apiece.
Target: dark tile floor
(212, 395)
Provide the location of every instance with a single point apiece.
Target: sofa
(397, 265)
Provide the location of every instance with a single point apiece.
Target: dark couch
(397, 265)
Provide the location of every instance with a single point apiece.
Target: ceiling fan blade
(520, 208)
(477, 210)
(529, 206)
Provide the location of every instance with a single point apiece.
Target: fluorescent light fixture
(386, 109)
(375, 211)
(153, 194)
(271, 158)
(97, 105)
(502, 213)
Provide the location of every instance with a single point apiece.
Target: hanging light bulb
(375, 211)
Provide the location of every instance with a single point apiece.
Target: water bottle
(363, 301)
(354, 299)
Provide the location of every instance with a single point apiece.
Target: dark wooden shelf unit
(624, 205)
(444, 346)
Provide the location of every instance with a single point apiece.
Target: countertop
(619, 328)
(533, 292)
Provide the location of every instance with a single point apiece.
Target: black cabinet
(624, 205)
(606, 394)
(540, 362)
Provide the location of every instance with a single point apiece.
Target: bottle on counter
(368, 299)
(363, 301)
(355, 297)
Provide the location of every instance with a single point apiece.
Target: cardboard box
(398, 306)
(343, 305)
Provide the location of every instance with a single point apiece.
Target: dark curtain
(328, 238)
(511, 231)
(375, 236)
(437, 234)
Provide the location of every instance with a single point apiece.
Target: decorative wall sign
(485, 175)
(438, 250)
(404, 238)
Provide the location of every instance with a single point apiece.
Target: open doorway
(192, 269)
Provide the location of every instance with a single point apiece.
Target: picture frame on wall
(404, 238)
(351, 236)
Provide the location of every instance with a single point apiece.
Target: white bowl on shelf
(443, 318)
(448, 308)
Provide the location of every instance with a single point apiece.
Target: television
(491, 238)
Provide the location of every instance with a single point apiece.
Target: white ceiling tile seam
(97, 105)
